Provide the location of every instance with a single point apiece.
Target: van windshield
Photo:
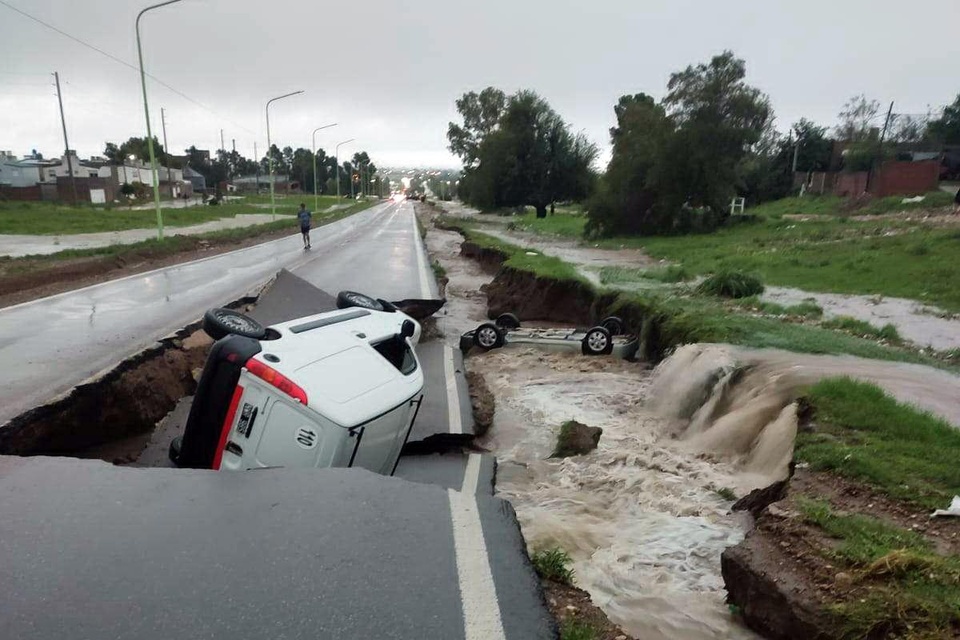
(398, 353)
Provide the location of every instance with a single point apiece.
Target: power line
(123, 62)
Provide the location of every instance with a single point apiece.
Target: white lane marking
(471, 475)
(421, 260)
(453, 394)
(478, 594)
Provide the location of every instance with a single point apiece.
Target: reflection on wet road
(50, 345)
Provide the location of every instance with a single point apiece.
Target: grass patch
(526, 260)
(835, 205)
(438, 270)
(901, 587)
(866, 435)
(154, 248)
(566, 222)
(863, 328)
(731, 284)
(553, 564)
(642, 277)
(726, 493)
(578, 630)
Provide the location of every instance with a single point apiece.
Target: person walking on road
(304, 216)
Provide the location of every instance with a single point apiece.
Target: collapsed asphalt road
(93, 550)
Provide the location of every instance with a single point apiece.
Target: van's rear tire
(220, 323)
(348, 299)
(614, 325)
(508, 321)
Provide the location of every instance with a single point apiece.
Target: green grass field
(43, 218)
(831, 254)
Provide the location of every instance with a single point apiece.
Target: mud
(482, 402)
(117, 408)
(924, 325)
(570, 605)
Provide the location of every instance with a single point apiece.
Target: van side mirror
(407, 329)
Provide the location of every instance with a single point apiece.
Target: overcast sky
(389, 72)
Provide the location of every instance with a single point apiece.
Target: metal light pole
(337, 155)
(146, 113)
(315, 197)
(273, 203)
(363, 179)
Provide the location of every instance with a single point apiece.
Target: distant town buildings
(93, 180)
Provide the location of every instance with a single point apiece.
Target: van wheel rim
(236, 322)
(487, 337)
(597, 341)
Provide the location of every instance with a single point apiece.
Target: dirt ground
(570, 604)
(28, 279)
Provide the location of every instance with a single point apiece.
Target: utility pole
(166, 150)
(256, 159)
(879, 157)
(223, 147)
(63, 121)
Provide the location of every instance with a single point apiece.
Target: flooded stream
(641, 516)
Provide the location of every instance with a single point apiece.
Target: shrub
(731, 284)
(553, 564)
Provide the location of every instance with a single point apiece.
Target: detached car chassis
(609, 337)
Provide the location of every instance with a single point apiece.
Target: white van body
(337, 389)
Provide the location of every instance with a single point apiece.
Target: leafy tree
(137, 147)
(676, 165)
(626, 194)
(525, 157)
(858, 120)
(946, 128)
(481, 113)
(815, 148)
(719, 118)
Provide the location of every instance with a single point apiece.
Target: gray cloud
(389, 72)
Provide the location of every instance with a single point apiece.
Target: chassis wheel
(219, 323)
(508, 321)
(488, 336)
(614, 325)
(597, 342)
(347, 299)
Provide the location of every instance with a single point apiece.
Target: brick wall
(906, 178)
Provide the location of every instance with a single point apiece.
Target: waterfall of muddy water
(639, 516)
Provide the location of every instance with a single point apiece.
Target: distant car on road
(336, 389)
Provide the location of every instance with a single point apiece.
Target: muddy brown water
(641, 516)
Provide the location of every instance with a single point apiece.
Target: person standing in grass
(304, 217)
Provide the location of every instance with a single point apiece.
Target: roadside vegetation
(553, 564)
(893, 574)
(865, 435)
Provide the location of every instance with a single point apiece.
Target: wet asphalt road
(50, 345)
(90, 550)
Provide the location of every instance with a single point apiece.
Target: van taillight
(277, 379)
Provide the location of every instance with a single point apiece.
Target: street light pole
(315, 197)
(273, 203)
(337, 155)
(146, 113)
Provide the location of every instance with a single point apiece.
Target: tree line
(677, 162)
(225, 165)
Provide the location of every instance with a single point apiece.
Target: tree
(626, 194)
(946, 128)
(676, 164)
(858, 120)
(815, 149)
(526, 157)
(719, 118)
(481, 114)
(136, 147)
